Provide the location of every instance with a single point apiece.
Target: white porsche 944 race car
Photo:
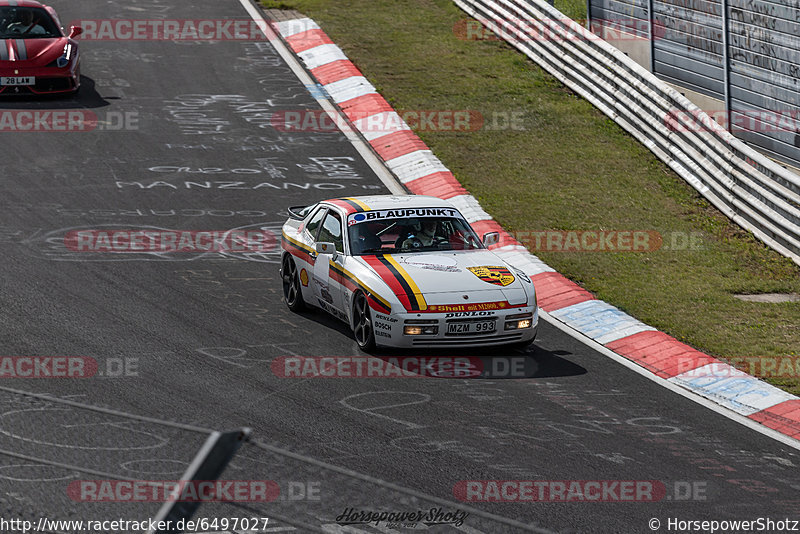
(404, 271)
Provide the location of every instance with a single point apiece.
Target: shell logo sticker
(499, 276)
(304, 277)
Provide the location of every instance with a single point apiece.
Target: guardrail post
(651, 16)
(726, 63)
(589, 15)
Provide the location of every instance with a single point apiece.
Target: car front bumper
(389, 329)
(49, 80)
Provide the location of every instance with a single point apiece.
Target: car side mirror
(75, 31)
(327, 248)
(491, 238)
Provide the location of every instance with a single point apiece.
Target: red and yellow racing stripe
(398, 280)
(350, 205)
(346, 278)
(298, 249)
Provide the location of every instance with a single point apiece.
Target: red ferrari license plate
(17, 80)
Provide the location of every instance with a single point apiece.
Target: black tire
(292, 293)
(363, 329)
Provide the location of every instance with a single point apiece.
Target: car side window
(331, 231)
(314, 223)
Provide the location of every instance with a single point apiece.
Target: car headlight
(519, 321)
(420, 327)
(65, 58)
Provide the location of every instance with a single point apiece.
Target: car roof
(387, 202)
(21, 3)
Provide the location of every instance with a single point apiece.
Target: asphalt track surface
(198, 332)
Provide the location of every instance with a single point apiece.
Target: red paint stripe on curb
(306, 40)
(359, 107)
(783, 417)
(440, 184)
(660, 353)
(554, 291)
(397, 144)
(335, 71)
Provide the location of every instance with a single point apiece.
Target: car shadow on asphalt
(498, 362)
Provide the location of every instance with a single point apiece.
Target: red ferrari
(35, 55)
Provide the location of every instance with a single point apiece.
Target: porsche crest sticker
(499, 276)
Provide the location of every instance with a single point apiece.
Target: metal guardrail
(752, 190)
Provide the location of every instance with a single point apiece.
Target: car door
(305, 262)
(330, 294)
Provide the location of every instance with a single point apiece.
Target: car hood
(448, 278)
(36, 51)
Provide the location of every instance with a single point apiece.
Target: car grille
(47, 85)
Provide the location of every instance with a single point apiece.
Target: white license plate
(17, 80)
(471, 328)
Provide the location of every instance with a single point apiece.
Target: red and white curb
(422, 173)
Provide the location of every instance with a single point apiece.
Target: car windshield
(380, 232)
(27, 23)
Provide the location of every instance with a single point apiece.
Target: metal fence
(748, 187)
(55, 452)
(745, 53)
